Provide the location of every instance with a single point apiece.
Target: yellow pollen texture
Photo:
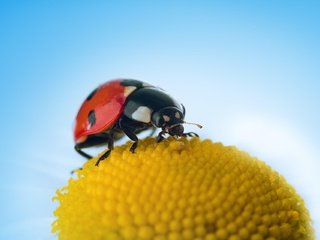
(179, 189)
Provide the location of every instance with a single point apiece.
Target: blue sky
(248, 71)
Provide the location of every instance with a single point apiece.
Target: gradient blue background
(248, 71)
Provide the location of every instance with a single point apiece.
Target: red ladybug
(126, 107)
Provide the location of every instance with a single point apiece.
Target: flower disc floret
(180, 189)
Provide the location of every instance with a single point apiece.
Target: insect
(126, 107)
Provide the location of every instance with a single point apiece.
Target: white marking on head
(177, 115)
(128, 90)
(166, 118)
(142, 114)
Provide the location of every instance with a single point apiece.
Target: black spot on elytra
(92, 117)
(92, 94)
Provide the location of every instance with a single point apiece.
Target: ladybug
(126, 107)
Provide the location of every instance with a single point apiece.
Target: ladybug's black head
(170, 119)
(176, 130)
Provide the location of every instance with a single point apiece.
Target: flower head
(180, 189)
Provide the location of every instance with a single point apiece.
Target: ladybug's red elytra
(126, 107)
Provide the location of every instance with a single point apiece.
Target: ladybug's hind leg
(92, 140)
(96, 140)
(110, 148)
(82, 153)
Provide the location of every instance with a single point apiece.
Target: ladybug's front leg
(190, 134)
(160, 136)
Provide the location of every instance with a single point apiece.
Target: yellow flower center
(180, 189)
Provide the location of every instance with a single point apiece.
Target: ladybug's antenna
(196, 124)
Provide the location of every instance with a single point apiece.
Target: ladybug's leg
(160, 136)
(133, 137)
(82, 153)
(110, 148)
(93, 140)
(154, 129)
(190, 134)
(75, 170)
(130, 133)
